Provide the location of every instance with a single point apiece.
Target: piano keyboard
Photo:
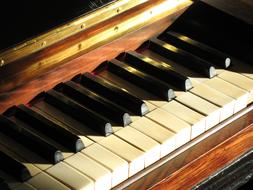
(101, 128)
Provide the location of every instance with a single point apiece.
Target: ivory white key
(240, 81)
(98, 173)
(240, 95)
(225, 102)
(132, 155)
(70, 177)
(197, 121)
(117, 166)
(174, 124)
(143, 142)
(25, 186)
(211, 111)
(45, 181)
(165, 137)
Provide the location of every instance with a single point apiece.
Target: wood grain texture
(209, 163)
(174, 162)
(84, 63)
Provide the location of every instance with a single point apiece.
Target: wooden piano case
(219, 158)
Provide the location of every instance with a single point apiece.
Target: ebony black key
(201, 50)
(141, 79)
(78, 112)
(113, 93)
(3, 184)
(30, 140)
(160, 70)
(49, 128)
(185, 58)
(13, 167)
(94, 102)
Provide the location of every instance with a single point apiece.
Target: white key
(132, 155)
(117, 166)
(165, 137)
(70, 177)
(12, 183)
(197, 121)
(225, 102)
(45, 181)
(25, 186)
(240, 81)
(141, 141)
(92, 169)
(174, 124)
(240, 95)
(204, 107)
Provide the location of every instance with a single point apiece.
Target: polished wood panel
(83, 63)
(211, 162)
(179, 162)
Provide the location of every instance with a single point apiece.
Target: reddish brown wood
(81, 64)
(26, 69)
(211, 162)
(173, 167)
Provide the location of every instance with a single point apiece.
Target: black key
(201, 50)
(160, 70)
(113, 93)
(94, 102)
(13, 167)
(78, 112)
(178, 55)
(141, 79)
(49, 128)
(30, 140)
(3, 185)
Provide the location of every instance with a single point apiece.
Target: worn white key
(240, 81)
(225, 102)
(195, 119)
(143, 142)
(165, 137)
(240, 95)
(117, 166)
(70, 177)
(25, 186)
(45, 181)
(132, 155)
(174, 124)
(211, 111)
(98, 173)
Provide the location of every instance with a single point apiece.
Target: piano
(123, 94)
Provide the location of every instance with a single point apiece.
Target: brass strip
(66, 30)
